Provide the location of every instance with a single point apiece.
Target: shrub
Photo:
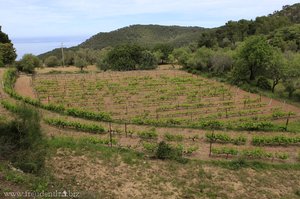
(263, 83)
(165, 151)
(51, 61)
(28, 63)
(22, 141)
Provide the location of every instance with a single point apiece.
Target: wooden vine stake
(126, 129)
(210, 143)
(287, 121)
(260, 97)
(110, 135)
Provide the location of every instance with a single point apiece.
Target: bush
(263, 83)
(28, 63)
(22, 141)
(51, 61)
(165, 151)
(147, 61)
(128, 57)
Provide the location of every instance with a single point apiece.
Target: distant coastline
(39, 45)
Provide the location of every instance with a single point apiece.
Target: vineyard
(160, 98)
(214, 120)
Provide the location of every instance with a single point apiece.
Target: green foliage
(224, 151)
(211, 124)
(128, 57)
(286, 38)
(254, 56)
(1, 61)
(275, 140)
(263, 83)
(4, 37)
(162, 52)
(291, 79)
(150, 134)
(61, 123)
(8, 53)
(150, 147)
(256, 126)
(148, 61)
(100, 116)
(224, 138)
(80, 59)
(22, 140)
(173, 137)
(256, 153)
(207, 40)
(165, 151)
(28, 63)
(51, 61)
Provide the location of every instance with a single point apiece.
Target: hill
(145, 35)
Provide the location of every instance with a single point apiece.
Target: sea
(39, 45)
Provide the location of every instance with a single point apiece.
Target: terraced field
(168, 95)
(163, 96)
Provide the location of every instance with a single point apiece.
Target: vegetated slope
(235, 31)
(145, 35)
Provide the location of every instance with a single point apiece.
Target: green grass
(32, 182)
(93, 149)
(256, 165)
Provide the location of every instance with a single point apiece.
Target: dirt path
(23, 86)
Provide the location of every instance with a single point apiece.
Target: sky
(56, 18)
(38, 26)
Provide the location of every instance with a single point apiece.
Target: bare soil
(23, 86)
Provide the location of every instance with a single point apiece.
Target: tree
(181, 55)
(147, 61)
(201, 59)
(207, 39)
(1, 61)
(124, 57)
(102, 56)
(4, 37)
(275, 70)
(80, 61)
(51, 61)
(8, 53)
(28, 63)
(221, 62)
(255, 56)
(163, 50)
(291, 78)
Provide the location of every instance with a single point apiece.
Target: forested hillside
(144, 35)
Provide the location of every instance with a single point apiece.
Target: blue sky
(45, 18)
